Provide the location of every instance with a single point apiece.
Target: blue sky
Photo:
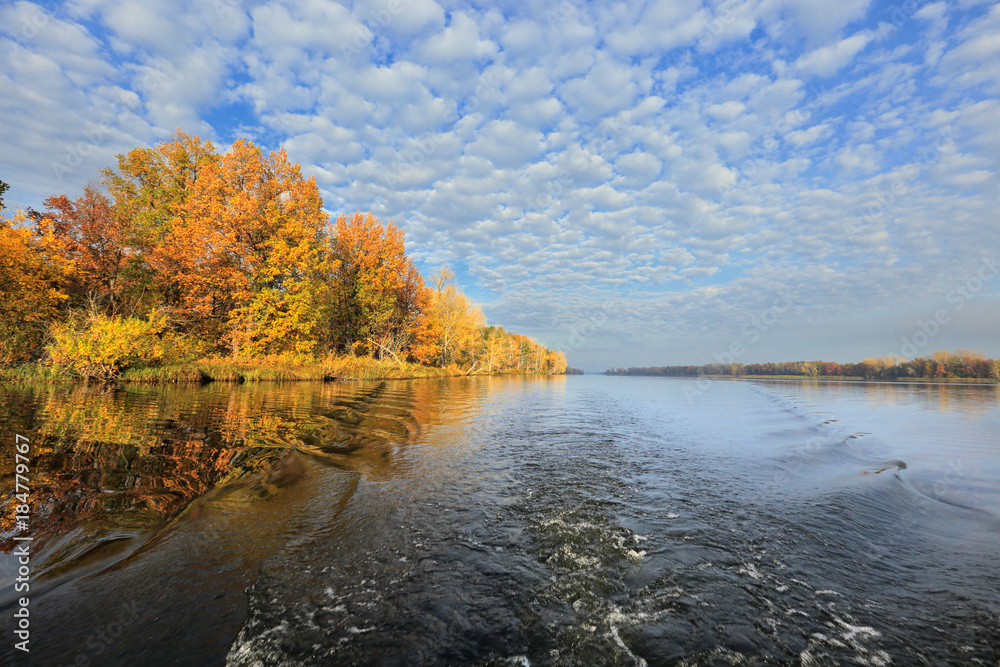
(636, 183)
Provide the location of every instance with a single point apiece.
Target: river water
(581, 520)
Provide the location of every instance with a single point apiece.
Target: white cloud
(507, 144)
(826, 60)
(804, 137)
(607, 87)
(399, 18)
(522, 38)
(460, 40)
(663, 25)
(971, 63)
(638, 169)
(860, 158)
(68, 44)
(729, 110)
(538, 113)
(818, 21)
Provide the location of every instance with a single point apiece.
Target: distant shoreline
(942, 366)
(823, 378)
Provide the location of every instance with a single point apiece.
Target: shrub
(99, 347)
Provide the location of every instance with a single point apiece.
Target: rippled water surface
(513, 521)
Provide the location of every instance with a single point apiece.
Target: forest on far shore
(941, 364)
(182, 253)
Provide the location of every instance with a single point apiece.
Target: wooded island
(193, 265)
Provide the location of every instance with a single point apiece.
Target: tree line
(183, 252)
(941, 364)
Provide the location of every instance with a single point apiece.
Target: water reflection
(109, 465)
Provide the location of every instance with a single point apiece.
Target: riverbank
(238, 371)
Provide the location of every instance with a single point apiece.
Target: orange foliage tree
(248, 252)
(456, 321)
(236, 244)
(379, 299)
(32, 274)
(93, 239)
(149, 189)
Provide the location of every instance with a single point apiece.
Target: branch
(386, 349)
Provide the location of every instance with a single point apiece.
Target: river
(582, 520)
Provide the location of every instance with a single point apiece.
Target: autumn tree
(247, 252)
(555, 363)
(492, 347)
(32, 275)
(152, 184)
(234, 246)
(456, 320)
(379, 299)
(149, 189)
(188, 251)
(94, 242)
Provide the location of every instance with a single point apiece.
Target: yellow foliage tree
(456, 320)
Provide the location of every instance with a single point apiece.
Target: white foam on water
(621, 644)
(566, 554)
(255, 650)
(860, 640)
(857, 630)
(719, 655)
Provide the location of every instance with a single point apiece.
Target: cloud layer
(632, 182)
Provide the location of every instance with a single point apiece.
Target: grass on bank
(268, 369)
(277, 369)
(33, 372)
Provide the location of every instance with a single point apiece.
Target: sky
(634, 183)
